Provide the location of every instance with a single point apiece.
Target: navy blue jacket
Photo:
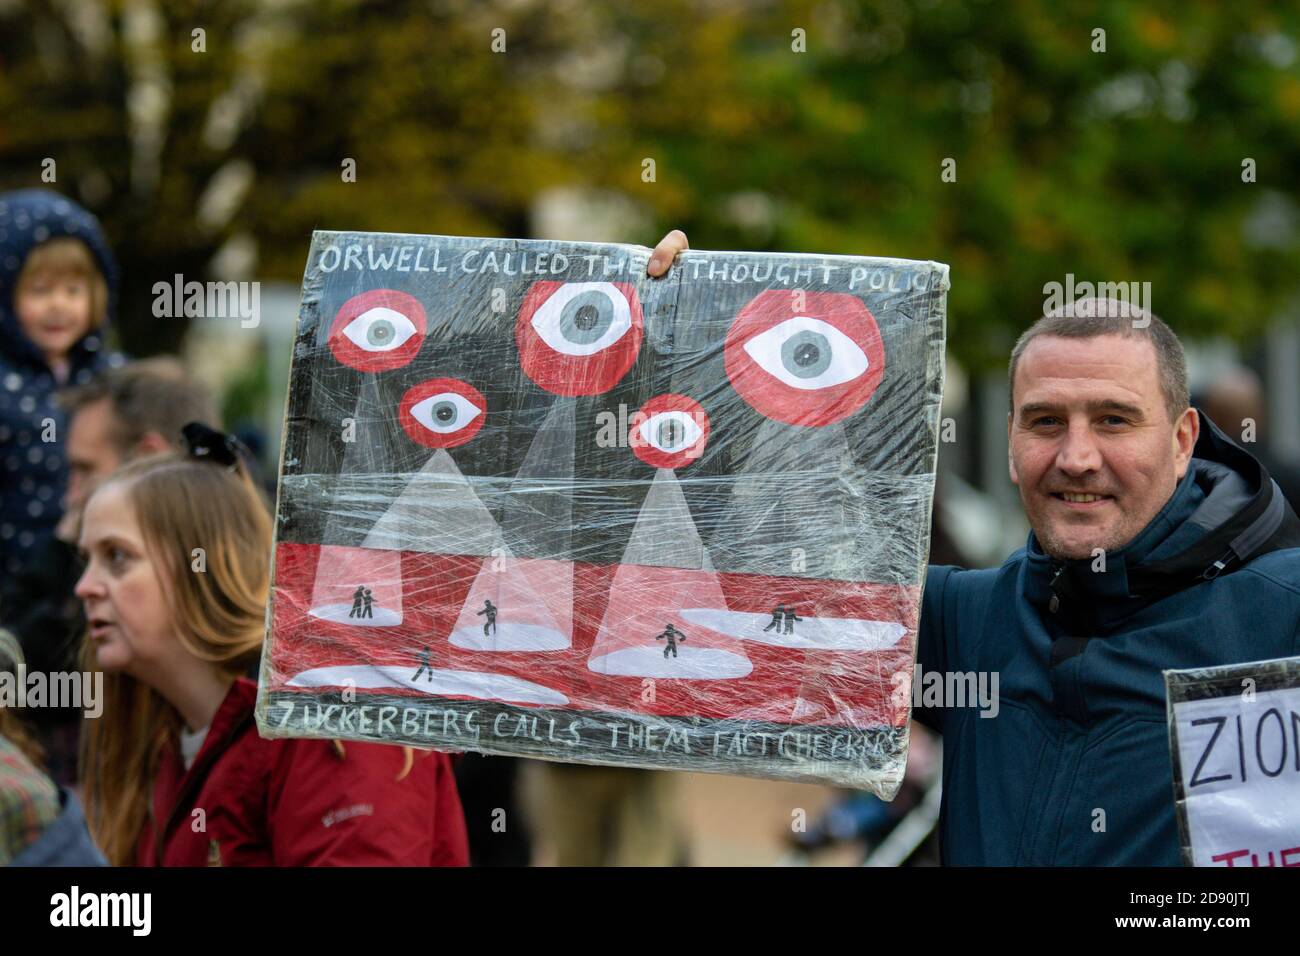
(33, 474)
(1081, 725)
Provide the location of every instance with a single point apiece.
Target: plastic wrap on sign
(1234, 742)
(534, 502)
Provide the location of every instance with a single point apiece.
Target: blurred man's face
(92, 453)
(1091, 445)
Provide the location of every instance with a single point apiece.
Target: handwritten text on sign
(1239, 758)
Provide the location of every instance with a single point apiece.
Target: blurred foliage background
(1116, 141)
(1122, 165)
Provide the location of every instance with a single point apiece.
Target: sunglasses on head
(204, 443)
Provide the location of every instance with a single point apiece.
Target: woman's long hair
(218, 612)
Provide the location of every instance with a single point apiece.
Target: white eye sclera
(807, 353)
(380, 329)
(670, 431)
(583, 318)
(445, 412)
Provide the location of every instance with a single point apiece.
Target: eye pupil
(669, 434)
(806, 354)
(445, 412)
(587, 318)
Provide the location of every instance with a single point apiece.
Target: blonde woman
(175, 773)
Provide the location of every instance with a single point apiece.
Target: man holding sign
(1157, 544)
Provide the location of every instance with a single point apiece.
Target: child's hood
(27, 219)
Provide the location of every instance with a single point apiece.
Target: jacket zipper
(1214, 570)
(1054, 602)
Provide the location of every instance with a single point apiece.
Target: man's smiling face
(1091, 445)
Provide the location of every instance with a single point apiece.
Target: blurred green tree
(1117, 165)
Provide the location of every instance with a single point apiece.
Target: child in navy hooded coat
(58, 288)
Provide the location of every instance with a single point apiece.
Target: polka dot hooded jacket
(33, 473)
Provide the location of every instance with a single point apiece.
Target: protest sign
(1234, 736)
(535, 502)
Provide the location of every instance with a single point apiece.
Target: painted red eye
(670, 431)
(579, 338)
(378, 330)
(442, 412)
(805, 358)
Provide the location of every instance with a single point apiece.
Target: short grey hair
(1089, 318)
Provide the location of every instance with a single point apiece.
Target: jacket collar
(1225, 511)
(178, 787)
(1088, 593)
(228, 719)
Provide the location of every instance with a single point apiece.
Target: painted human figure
(357, 597)
(424, 665)
(778, 612)
(490, 610)
(369, 601)
(672, 636)
(790, 618)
